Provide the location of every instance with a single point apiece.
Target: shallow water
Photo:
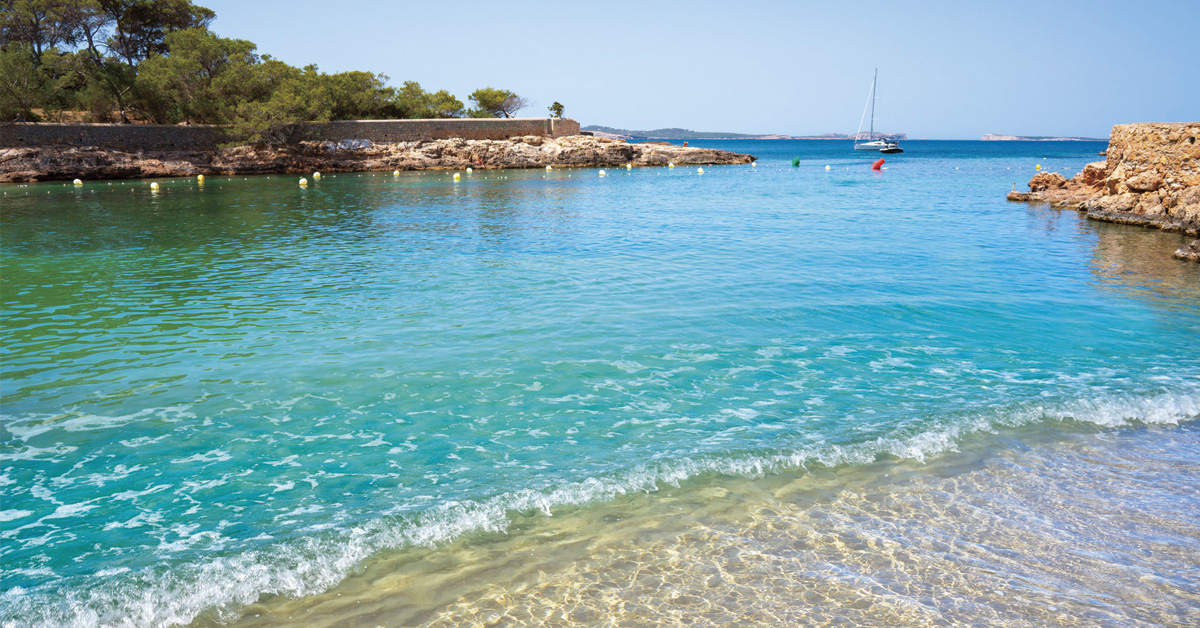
(243, 389)
(1024, 529)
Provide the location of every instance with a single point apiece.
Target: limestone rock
(1046, 181)
(1145, 182)
(43, 164)
(1151, 178)
(1190, 252)
(1115, 203)
(1093, 174)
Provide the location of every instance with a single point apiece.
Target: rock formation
(49, 164)
(1151, 178)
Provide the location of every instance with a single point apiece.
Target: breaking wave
(224, 584)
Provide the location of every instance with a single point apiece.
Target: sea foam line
(223, 585)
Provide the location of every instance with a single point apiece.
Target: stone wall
(1152, 177)
(162, 137)
(128, 137)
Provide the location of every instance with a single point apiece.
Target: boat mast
(873, 82)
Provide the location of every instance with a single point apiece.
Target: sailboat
(883, 146)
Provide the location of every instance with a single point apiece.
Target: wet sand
(1024, 528)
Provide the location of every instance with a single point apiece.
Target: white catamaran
(883, 146)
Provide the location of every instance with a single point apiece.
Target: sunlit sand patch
(1043, 534)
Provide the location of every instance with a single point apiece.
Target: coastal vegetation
(157, 61)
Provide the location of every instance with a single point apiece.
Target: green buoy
(795, 162)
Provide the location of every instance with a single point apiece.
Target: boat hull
(875, 145)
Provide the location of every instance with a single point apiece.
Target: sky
(947, 69)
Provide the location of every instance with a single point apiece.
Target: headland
(688, 134)
(992, 137)
(1151, 178)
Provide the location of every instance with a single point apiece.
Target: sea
(768, 395)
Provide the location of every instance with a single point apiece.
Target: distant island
(991, 137)
(686, 134)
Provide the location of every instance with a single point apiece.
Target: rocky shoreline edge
(1151, 178)
(49, 163)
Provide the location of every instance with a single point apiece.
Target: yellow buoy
(200, 178)
(303, 182)
(395, 173)
(699, 170)
(1038, 167)
(549, 168)
(469, 171)
(828, 168)
(629, 166)
(77, 182)
(316, 175)
(154, 185)
(754, 164)
(602, 173)
(671, 164)
(457, 176)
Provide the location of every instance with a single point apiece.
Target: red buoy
(878, 164)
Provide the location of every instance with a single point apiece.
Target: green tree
(495, 103)
(359, 95)
(140, 27)
(298, 96)
(556, 110)
(201, 79)
(107, 83)
(41, 24)
(411, 101)
(22, 84)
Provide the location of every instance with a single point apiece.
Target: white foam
(13, 514)
(745, 414)
(215, 455)
(67, 511)
(321, 560)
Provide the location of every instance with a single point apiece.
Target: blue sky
(947, 70)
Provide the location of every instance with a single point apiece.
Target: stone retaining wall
(127, 137)
(172, 137)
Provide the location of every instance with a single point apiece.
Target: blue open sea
(767, 395)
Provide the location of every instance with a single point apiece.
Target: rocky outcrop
(1047, 181)
(48, 163)
(1059, 191)
(1094, 174)
(1190, 252)
(1151, 178)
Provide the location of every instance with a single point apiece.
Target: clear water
(214, 393)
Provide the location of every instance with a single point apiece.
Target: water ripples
(248, 384)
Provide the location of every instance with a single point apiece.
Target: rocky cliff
(90, 162)
(1151, 178)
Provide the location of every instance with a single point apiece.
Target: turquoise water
(219, 391)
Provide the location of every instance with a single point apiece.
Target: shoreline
(1149, 179)
(855, 541)
(47, 163)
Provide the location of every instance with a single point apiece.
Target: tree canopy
(495, 103)
(157, 61)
